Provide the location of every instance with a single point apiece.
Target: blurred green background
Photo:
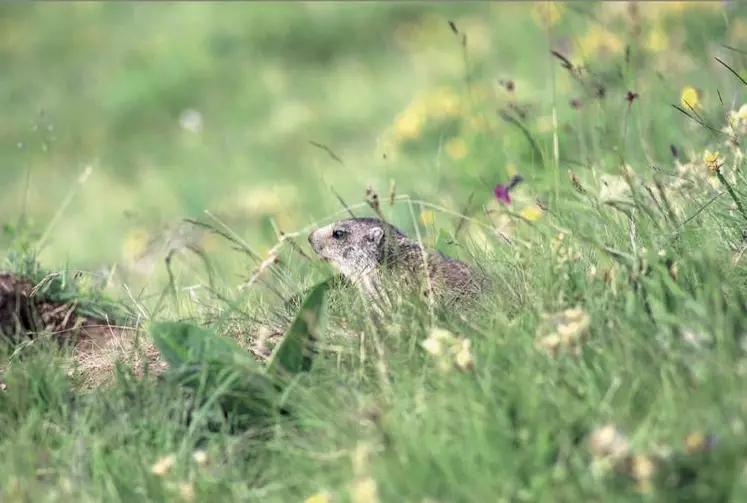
(184, 107)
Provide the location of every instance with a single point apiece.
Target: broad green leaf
(218, 369)
(181, 342)
(246, 395)
(444, 242)
(293, 352)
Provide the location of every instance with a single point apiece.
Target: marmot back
(379, 257)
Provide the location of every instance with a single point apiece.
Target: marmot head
(354, 246)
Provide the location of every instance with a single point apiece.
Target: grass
(614, 344)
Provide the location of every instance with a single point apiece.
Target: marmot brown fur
(381, 259)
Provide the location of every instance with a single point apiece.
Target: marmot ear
(375, 235)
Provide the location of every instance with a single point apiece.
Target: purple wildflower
(501, 193)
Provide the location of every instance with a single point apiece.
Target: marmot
(373, 254)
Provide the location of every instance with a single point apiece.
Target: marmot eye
(338, 233)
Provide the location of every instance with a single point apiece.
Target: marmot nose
(311, 242)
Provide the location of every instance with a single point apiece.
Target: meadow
(164, 163)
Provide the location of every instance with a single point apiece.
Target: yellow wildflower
(657, 40)
(689, 98)
(444, 102)
(365, 491)
(456, 148)
(598, 39)
(547, 14)
(427, 217)
(322, 497)
(713, 161)
(408, 124)
(532, 213)
(694, 442)
(511, 170)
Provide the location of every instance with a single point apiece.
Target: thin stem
(731, 193)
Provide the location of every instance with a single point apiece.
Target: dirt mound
(24, 312)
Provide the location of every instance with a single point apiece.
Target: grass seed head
(463, 359)
(608, 442)
(187, 491)
(200, 457)
(163, 465)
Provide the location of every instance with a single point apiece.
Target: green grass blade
(292, 354)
